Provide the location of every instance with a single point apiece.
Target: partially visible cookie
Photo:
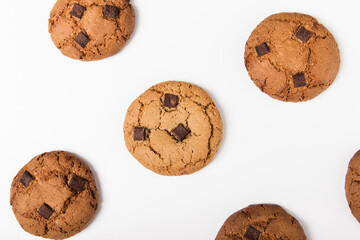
(91, 29)
(352, 185)
(54, 195)
(173, 128)
(261, 222)
(292, 57)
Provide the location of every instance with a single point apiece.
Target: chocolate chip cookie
(352, 185)
(291, 57)
(91, 29)
(261, 222)
(54, 195)
(174, 128)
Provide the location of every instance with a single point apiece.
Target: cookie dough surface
(352, 185)
(91, 29)
(54, 195)
(261, 222)
(174, 128)
(291, 57)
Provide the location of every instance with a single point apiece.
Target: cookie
(291, 57)
(352, 185)
(54, 195)
(261, 222)
(91, 29)
(174, 128)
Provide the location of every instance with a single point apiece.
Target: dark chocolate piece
(262, 49)
(77, 10)
(139, 134)
(299, 80)
(170, 100)
(303, 34)
(82, 39)
(77, 183)
(252, 233)
(180, 132)
(110, 11)
(26, 179)
(45, 211)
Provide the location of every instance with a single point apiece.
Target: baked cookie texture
(173, 128)
(292, 57)
(91, 29)
(352, 185)
(54, 195)
(261, 222)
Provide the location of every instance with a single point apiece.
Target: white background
(295, 155)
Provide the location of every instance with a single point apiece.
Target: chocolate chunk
(170, 100)
(77, 183)
(299, 80)
(262, 49)
(303, 34)
(82, 39)
(26, 179)
(45, 211)
(252, 234)
(110, 11)
(139, 134)
(180, 132)
(77, 10)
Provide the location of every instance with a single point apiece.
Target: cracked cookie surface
(173, 128)
(261, 222)
(291, 57)
(91, 29)
(54, 195)
(352, 185)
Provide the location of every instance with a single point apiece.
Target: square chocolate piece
(77, 10)
(299, 80)
(77, 183)
(252, 233)
(262, 49)
(26, 179)
(110, 11)
(180, 132)
(170, 100)
(303, 34)
(45, 211)
(82, 39)
(139, 134)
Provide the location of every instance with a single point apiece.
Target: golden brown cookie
(174, 128)
(352, 185)
(291, 57)
(91, 29)
(261, 222)
(54, 195)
